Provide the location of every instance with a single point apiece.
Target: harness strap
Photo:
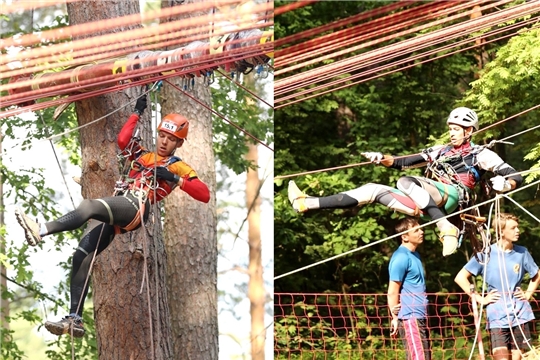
(137, 219)
(82, 250)
(445, 194)
(111, 218)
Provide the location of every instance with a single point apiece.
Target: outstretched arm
(390, 161)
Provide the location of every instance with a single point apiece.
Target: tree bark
(4, 302)
(256, 291)
(130, 324)
(480, 55)
(190, 233)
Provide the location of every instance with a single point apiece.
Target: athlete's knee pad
(411, 187)
(405, 183)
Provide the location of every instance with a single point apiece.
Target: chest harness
(139, 179)
(448, 164)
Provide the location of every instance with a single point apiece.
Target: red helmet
(175, 124)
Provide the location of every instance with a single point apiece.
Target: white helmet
(464, 117)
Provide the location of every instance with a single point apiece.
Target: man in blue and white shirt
(508, 309)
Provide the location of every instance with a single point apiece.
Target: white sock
(444, 224)
(312, 202)
(42, 230)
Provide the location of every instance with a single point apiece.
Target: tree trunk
(4, 302)
(190, 232)
(130, 324)
(256, 291)
(480, 55)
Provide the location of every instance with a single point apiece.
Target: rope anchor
(262, 71)
(209, 78)
(188, 83)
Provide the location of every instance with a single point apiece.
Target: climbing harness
(443, 168)
(262, 71)
(476, 226)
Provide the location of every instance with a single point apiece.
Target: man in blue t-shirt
(407, 298)
(508, 309)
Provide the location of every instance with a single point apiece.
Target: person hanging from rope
(452, 173)
(508, 309)
(407, 299)
(152, 176)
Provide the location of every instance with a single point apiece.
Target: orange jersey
(143, 172)
(143, 167)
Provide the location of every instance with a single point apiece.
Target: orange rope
(85, 50)
(487, 20)
(221, 116)
(399, 49)
(293, 6)
(379, 73)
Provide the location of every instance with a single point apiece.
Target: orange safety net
(357, 326)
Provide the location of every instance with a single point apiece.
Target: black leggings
(109, 212)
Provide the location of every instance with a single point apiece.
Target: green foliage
(27, 187)
(245, 111)
(509, 85)
(8, 347)
(400, 113)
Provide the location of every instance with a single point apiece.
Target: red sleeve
(127, 131)
(196, 189)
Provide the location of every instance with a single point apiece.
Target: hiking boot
(71, 324)
(449, 238)
(297, 198)
(30, 227)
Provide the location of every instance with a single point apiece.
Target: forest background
(37, 278)
(400, 113)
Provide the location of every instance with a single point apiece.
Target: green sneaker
(297, 198)
(449, 238)
(71, 324)
(30, 227)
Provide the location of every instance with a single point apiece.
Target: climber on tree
(452, 173)
(153, 176)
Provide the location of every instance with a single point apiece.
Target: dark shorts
(415, 337)
(502, 337)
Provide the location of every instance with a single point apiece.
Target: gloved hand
(163, 173)
(374, 157)
(500, 184)
(140, 105)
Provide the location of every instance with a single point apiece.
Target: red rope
(89, 28)
(363, 32)
(302, 79)
(333, 25)
(186, 67)
(101, 47)
(403, 61)
(245, 88)
(293, 6)
(221, 116)
(119, 78)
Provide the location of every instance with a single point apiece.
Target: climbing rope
(404, 232)
(409, 155)
(221, 116)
